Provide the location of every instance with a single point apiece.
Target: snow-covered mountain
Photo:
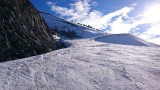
(92, 61)
(124, 39)
(83, 32)
(85, 65)
(61, 26)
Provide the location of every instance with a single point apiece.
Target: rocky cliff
(23, 32)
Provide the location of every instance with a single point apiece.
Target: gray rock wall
(23, 32)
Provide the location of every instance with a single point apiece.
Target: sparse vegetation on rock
(23, 32)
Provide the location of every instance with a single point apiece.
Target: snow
(85, 32)
(95, 62)
(124, 39)
(85, 65)
(63, 25)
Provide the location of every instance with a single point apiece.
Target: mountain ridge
(83, 32)
(125, 39)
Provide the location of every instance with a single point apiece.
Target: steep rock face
(23, 32)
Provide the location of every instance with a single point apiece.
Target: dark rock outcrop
(23, 32)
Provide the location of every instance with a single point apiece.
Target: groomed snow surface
(85, 65)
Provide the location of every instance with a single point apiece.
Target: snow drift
(124, 39)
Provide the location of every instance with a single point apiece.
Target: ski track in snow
(86, 65)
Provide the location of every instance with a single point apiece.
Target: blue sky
(139, 17)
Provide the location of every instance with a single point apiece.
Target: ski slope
(85, 65)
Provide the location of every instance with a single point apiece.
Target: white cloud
(119, 26)
(77, 11)
(150, 38)
(50, 3)
(150, 34)
(155, 40)
(154, 30)
(144, 36)
(80, 11)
